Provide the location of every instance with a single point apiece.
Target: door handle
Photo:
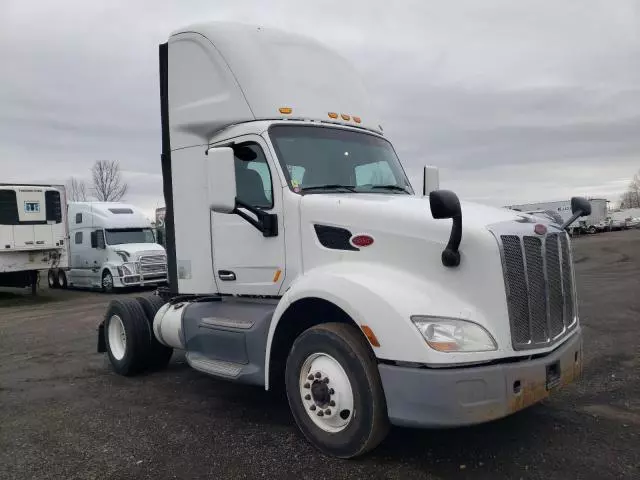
(226, 275)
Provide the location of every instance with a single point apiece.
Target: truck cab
(301, 258)
(112, 246)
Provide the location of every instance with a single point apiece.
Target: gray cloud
(515, 101)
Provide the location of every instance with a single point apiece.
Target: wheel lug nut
(321, 413)
(306, 385)
(310, 377)
(318, 374)
(327, 412)
(307, 397)
(312, 408)
(332, 403)
(331, 391)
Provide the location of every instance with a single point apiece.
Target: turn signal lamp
(285, 110)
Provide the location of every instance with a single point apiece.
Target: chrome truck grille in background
(540, 290)
(153, 264)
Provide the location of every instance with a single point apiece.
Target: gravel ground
(65, 414)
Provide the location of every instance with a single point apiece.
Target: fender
(383, 299)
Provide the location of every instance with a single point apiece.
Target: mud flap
(102, 346)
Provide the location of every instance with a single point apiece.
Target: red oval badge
(361, 240)
(540, 229)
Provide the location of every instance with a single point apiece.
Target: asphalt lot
(65, 414)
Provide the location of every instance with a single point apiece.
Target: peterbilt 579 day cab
(33, 232)
(300, 257)
(112, 246)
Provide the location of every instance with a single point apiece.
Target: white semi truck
(112, 246)
(33, 232)
(300, 257)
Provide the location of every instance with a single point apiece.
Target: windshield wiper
(329, 187)
(396, 188)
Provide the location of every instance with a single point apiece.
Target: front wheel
(107, 282)
(592, 229)
(334, 390)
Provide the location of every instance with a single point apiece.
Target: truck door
(244, 261)
(96, 256)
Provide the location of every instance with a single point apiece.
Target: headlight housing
(128, 268)
(123, 255)
(453, 334)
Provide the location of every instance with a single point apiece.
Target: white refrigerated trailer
(33, 232)
(300, 257)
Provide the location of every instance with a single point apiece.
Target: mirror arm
(451, 254)
(267, 223)
(572, 219)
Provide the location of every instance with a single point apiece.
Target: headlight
(454, 335)
(128, 269)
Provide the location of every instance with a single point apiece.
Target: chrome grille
(539, 286)
(153, 259)
(153, 264)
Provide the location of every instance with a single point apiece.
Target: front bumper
(452, 397)
(138, 280)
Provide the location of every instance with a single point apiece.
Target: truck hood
(404, 215)
(136, 250)
(408, 245)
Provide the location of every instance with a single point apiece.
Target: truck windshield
(325, 159)
(129, 235)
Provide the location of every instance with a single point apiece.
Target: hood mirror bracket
(445, 204)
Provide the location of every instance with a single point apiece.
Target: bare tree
(76, 190)
(108, 185)
(631, 198)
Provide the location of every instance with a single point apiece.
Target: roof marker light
(333, 115)
(285, 110)
(345, 116)
(357, 119)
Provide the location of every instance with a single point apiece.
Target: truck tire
(160, 354)
(334, 390)
(107, 281)
(62, 279)
(52, 279)
(127, 336)
(592, 229)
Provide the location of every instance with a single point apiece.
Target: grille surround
(539, 285)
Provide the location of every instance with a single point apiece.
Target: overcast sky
(515, 101)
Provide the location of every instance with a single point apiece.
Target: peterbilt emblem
(540, 229)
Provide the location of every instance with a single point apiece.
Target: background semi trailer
(33, 232)
(112, 245)
(300, 258)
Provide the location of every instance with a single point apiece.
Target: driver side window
(253, 178)
(100, 239)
